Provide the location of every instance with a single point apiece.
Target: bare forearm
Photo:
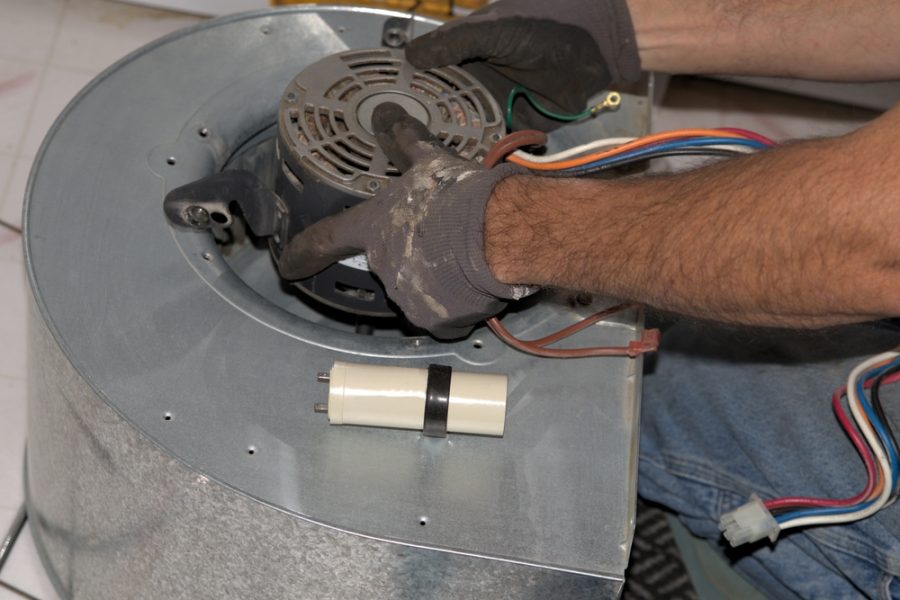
(800, 236)
(840, 40)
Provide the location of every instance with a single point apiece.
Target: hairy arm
(806, 235)
(839, 40)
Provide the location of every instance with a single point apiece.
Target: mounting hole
(495, 137)
(251, 450)
(219, 217)
(170, 160)
(478, 344)
(207, 256)
(203, 132)
(291, 96)
(423, 521)
(265, 29)
(167, 416)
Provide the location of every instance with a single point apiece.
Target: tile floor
(49, 49)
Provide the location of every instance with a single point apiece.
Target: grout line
(18, 591)
(39, 88)
(4, 193)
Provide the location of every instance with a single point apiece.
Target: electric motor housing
(329, 159)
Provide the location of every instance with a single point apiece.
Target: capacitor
(436, 400)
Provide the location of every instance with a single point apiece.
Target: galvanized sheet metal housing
(173, 451)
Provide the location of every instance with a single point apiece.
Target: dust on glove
(423, 234)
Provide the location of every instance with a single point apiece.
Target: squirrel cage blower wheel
(173, 446)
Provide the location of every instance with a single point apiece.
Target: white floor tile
(18, 88)
(58, 87)
(12, 325)
(11, 203)
(27, 28)
(12, 442)
(11, 247)
(24, 569)
(96, 33)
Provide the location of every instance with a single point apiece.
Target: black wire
(11, 227)
(628, 161)
(879, 411)
(875, 393)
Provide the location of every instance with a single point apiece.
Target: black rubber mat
(655, 569)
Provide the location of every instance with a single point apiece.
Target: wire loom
(872, 435)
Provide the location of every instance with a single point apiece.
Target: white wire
(872, 438)
(575, 151)
(572, 152)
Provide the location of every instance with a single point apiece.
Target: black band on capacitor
(437, 400)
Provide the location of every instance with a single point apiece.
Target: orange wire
(638, 143)
(649, 340)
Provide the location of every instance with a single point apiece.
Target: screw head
(196, 216)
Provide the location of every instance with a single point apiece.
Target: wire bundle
(871, 436)
(606, 154)
(584, 160)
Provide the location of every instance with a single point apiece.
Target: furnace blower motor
(327, 159)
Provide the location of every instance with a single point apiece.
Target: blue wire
(675, 145)
(878, 426)
(815, 512)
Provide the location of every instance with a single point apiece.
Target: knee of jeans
(697, 492)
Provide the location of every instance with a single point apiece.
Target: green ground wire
(520, 90)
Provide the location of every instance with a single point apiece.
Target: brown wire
(582, 324)
(649, 341)
(511, 143)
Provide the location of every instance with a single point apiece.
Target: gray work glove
(423, 234)
(564, 51)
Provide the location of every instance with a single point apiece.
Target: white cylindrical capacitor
(433, 399)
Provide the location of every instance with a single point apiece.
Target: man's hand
(422, 235)
(564, 51)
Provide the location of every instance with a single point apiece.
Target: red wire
(861, 448)
(750, 134)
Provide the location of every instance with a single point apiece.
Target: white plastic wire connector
(748, 523)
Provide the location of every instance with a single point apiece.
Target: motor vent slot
(326, 111)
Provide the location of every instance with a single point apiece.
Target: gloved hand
(564, 51)
(423, 234)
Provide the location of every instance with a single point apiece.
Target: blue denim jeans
(728, 411)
